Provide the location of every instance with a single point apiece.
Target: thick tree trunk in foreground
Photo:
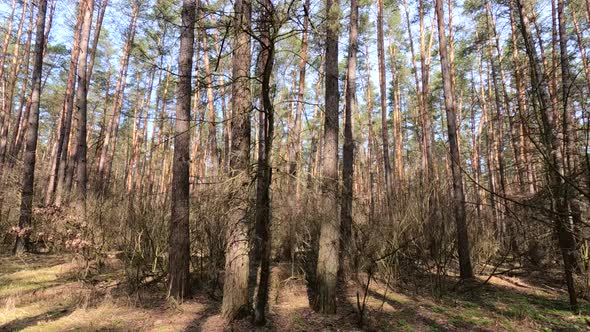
(235, 288)
(26, 208)
(465, 269)
(329, 242)
(179, 242)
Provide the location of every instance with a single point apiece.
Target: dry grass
(42, 293)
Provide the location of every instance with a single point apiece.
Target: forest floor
(43, 293)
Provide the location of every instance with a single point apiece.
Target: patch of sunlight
(113, 316)
(372, 302)
(10, 313)
(105, 316)
(29, 279)
(390, 294)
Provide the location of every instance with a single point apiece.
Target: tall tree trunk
(8, 98)
(179, 241)
(15, 144)
(568, 247)
(498, 139)
(110, 140)
(212, 135)
(82, 109)
(67, 113)
(95, 40)
(262, 240)
(466, 272)
(396, 119)
(295, 144)
(329, 241)
(26, 208)
(6, 43)
(235, 288)
(552, 140)
(348, 147)
(370, 138)
(383, 97)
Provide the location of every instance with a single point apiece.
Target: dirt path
(43, 293)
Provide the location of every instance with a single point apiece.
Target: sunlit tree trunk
(15, 146)
(110, 140)
(235, 288)
(8, 98)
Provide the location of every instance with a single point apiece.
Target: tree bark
(329, 241)
(262, 238)
(348, 147)
(235, 289)
(26, 208)
(82, 109)
(212, 134)
(465, 269)
(179, 241)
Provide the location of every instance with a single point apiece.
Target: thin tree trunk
(370, 139)
(67, 112)
(9, 99)
(110, 140)
(383, 97)
(95, 40)
(212, 135)
(16, 143)
(552, 141)
(466, 272)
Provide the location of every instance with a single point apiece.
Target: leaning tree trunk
(26, 208)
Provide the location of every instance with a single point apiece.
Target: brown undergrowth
(46, 293)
